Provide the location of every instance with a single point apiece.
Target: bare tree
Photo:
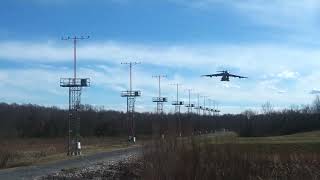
(249, 113)
(306, 109)
(267, 108)
(316, 105)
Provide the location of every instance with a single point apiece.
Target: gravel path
(36, 172)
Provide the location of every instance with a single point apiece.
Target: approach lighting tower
(75, 86)
(177, 103)
(211, 109)
(159, 100)
(204, 108)
(189, 105)
(214, 109)
(198, 108)
(131, 98)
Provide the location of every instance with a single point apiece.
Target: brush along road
(37, 171)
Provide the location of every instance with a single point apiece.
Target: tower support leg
(74, 144)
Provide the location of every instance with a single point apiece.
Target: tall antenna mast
(131, 64)
(131, 98)
(75, 39)
(75, 86)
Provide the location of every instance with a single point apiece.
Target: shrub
(5, 157)
(192, 158)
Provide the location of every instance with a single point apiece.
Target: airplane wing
(213, 75)
(236, 76)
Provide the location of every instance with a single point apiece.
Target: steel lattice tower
(131, 98)
(215, 107)
(158, 127)
(75, 86)
(159, 100)
(204, 108)
(198, 108)
(189, 105)
(178, 105)
(212, 107)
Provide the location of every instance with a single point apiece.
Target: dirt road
(35, 172)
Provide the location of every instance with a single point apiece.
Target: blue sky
(274, 42)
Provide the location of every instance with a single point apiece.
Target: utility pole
(131, 98)
(75, 86)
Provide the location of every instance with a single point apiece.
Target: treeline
(36, 121)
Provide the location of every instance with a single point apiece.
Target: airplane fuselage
(225, 75)
(225, 78)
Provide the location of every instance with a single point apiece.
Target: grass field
(223, 156)
(213, 156)
(230, 137)
(227, 156)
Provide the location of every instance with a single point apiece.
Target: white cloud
(301, 14)
(252, 58)
(230, 85)
(288, 75)
(29, 51)
(107, 73)
(282, 91)
(30, 82)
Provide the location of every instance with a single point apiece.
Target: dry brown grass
(21, 152)
(199, 158)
